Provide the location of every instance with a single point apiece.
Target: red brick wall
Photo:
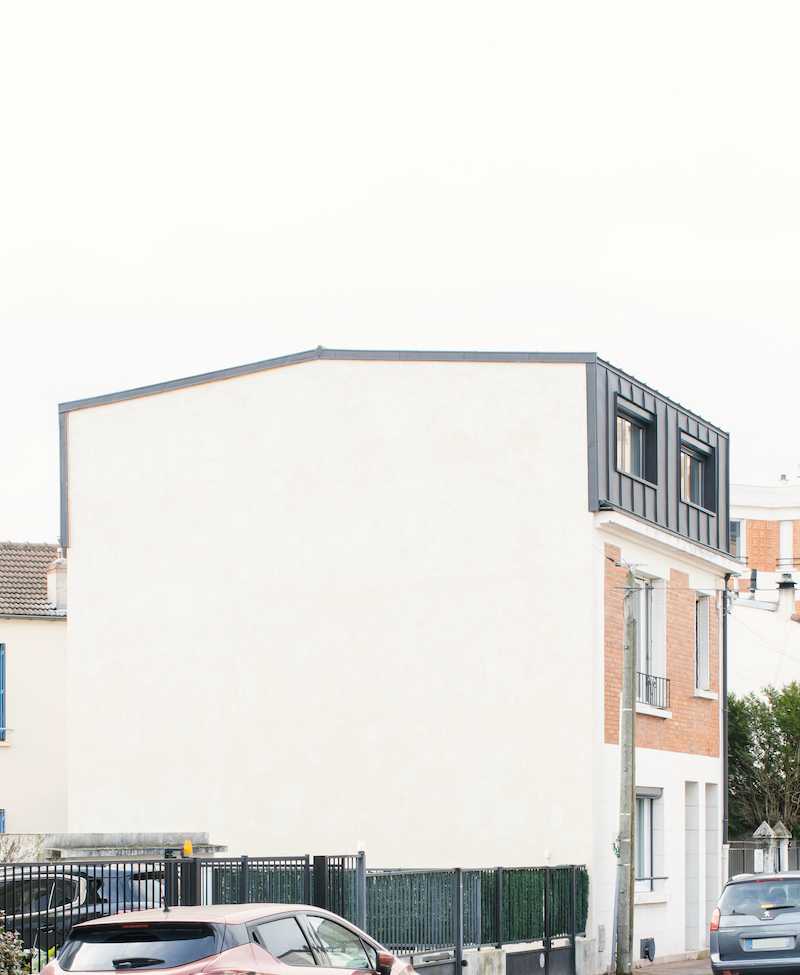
(694, 726)
(763, 545)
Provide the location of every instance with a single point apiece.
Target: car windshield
(756, 896)
(109, 948)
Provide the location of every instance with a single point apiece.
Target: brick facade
(694, 727)
(763, 545)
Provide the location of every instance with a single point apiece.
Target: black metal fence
(652, 690)
(742, 857)
(413, 911)
(409, 911)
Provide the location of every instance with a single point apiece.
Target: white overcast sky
(190, 185)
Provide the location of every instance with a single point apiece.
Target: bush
(13, 960)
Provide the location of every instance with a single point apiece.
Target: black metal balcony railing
(652, 690)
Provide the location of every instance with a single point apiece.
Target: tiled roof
(23, 579)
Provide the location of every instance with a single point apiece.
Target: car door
(338, 947)
(283, 940)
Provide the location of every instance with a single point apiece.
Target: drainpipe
(725, 598)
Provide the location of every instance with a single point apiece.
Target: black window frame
(706, 456)
(647, 422)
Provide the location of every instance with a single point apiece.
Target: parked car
(261, 939)
(756, 924)
(42, 903)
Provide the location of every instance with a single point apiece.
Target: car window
(343, 948)
(133, 945)
(372, 955)
(64, 892)
(24, 896)
(754, 897)
(284, 940)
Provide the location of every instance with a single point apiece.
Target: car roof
(214, 914)
(765, 878)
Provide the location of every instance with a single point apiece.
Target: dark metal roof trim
(371, 355)
(678, 406)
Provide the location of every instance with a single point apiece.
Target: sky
(188, 185)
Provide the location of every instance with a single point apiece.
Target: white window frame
(702, 642)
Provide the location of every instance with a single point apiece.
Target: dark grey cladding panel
(658, 501)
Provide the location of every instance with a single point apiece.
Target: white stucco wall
(338, 604)
(33, 756)
(763, 646)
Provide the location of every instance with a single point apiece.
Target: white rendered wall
(763, 647)
(33, 756)
(338, 604)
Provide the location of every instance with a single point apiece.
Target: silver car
(756, 925)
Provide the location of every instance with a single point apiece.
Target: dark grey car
(756, 925)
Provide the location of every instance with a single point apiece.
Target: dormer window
(698, 474)
(636, 441)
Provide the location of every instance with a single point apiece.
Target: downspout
(725, 597)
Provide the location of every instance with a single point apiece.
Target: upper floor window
(735, 547)
(702, 642)
(647, 608)
(636, 441)
(697, 474)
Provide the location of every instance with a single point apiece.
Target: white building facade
(350, 599)
(765, 623)
(33, 711)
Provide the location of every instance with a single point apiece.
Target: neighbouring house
(764, 644)
(351, 599)
(33, 707)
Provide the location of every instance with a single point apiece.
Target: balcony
(653, 691)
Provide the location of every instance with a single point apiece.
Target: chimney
(57, 584)
(786, 605)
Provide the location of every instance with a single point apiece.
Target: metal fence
(413, 911)
(409, 911)
(742, 857)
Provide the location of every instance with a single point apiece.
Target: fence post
(171, 883)
(548, 887)
(320, 897)
(498, 906)
(190, 882)
(307, 880)
(361, 890)
(573, 918)
(244, 880)
(458, 905)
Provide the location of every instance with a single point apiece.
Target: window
(2, 693)
(2, 820)
(691, 477)
(643, 843)
(343, 948)
(698, 473)
(152, 945)
(735, 547)
(630, 447)
(24, 896)
(648, 608)
(701, 643)
(648, 829)
(642, 607)
(636, 441)
(284, 940)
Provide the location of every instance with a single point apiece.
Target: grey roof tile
(23, 579)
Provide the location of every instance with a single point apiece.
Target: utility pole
(627, 786)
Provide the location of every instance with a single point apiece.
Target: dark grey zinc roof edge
(678, 406)
(374, 355)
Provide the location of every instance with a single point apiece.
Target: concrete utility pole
(627, 786)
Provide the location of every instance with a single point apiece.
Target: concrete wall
(33, 756)
(334, 605)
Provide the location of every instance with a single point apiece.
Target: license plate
(768, 944)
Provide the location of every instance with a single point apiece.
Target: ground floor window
(647, 831)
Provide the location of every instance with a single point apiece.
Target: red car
(233, 939)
